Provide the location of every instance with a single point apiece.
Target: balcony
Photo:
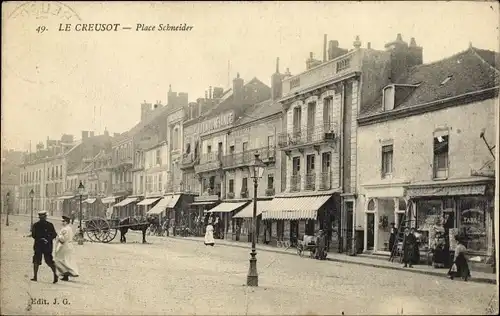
(235, 160)
(326, 181)
(295, 183)
(332, 70)
(188, 161)
(302, 137)
(138, 164)
(123, 161)
(209, 162)
(122, 187)
(310, 182)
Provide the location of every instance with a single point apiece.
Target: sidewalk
(479, 277)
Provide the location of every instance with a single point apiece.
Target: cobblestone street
(175, 276)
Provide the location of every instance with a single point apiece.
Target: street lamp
(7, 202)
(81, 190)
(32, 195)
(256, 169)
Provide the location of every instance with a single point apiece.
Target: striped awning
(66, 197)
(172, 200)
(247, 212)
(148, 201)
(90, 200)
(202, 203)
(160, 207)
(125, 202)
(294, 208)
(109, 199)
(226, 207)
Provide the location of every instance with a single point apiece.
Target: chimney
(85, 135)
(357, 42)
(238, 90)
(210, 92)
(369, 45)
(324, 47)
(276, 82)
(287, 73)
(403, 57)
(182, 99)
(218, 92)
(206, 95)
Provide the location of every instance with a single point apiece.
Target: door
(370, 219)
(349, 207)
(311, 115)
(294, 232)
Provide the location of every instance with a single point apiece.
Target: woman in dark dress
(409, 243)
(392, 237)
(460, 267)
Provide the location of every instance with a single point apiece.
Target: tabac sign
(472, 217)
(215, 123)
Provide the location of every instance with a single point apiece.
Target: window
(387, 156)
(158, 157)
(231, 186)
(270, 141)
(270, 181)
(388, 97)
(245, 146)
(310, 164)
(160, 182)
(327, 113)
(188, 148)
(209, 149)
(244, 185)
(296, 166)
(325, 162)
(441, 156)
(231, 149)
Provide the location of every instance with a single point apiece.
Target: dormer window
(388, 98)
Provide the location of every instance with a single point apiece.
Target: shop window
(387, 156)
(280, 229)
(473, 223)
(441, 156)
(231, 185)
(402, 205)
(428, 211)
(244, 185)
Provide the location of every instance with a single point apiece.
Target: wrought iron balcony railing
(295, 183)
(319, 133)
(209, 162)
(310, 182)
(123, 186)
(245, 158)
(326, 181)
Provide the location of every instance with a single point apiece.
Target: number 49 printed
(41, 29)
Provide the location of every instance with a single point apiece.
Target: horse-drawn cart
(104, 230)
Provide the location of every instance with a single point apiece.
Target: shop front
(93, 207)
(125, 208)
(223, 214)
(200, 210)
(288, 219)
(449, 208)
(242, 222)
(145, 205)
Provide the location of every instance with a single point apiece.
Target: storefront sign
(472, 217)
(220, 121)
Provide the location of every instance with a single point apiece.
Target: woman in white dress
(64, 251)
(209, 234)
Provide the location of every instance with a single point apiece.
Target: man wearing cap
(43, 233)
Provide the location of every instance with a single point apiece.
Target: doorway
(294, 232)
(370, 221)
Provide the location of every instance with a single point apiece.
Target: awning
(160, 207)
(472, 189)
(90, 201)
(148, 201)
(125, 202)
(247, 212)
(172, 200)
(295, 208)
(226, 207)
(66, 197)
(202, 203)
(109, 199)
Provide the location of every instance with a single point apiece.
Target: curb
(373, 265)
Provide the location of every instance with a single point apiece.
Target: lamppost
(7, 205)
(257, 169)
(32, 195)
(81, 190)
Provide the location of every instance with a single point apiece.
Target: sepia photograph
(249, 158)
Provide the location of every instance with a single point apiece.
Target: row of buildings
(351, 144)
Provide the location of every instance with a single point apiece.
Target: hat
(66, 219)
(42, 213)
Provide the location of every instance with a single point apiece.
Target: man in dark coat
(392, 237)
(409, 243)
(43, 233)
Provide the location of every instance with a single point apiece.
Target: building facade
(421, 155)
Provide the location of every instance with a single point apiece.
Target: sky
(52, 81)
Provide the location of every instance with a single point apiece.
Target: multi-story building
(213, 132)
(421, 153)
(319, 138)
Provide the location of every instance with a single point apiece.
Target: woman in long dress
(209, 235)
(460, 267)
(64, 251)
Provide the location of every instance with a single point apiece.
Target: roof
(259, 111)
(469, 71)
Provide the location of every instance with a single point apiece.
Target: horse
(133, 223)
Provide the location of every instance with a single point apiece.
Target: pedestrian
(321, 246)
(73, 215)
(392, 238)
(460, 267)
(43, 233)
(209, 234)
(64, 251)
(409, 242)
(416, 251)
